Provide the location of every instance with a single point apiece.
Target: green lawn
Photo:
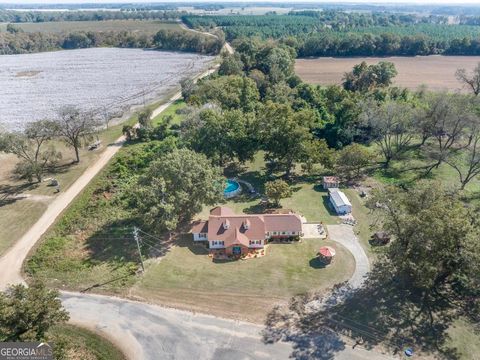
(84, 344)
(187, 278)
(147, 26)
(308, 199)
(465, 339)
(16, 217)
(171, 111)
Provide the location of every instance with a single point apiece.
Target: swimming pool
(232, 188)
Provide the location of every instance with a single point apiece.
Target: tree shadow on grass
(259, 208)
(9, 194)
(113, 242)
(381, 313)
(186, 240)
(256, 178)
(316, 263)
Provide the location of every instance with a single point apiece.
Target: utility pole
(136, 237)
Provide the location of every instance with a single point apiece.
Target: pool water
(231, 186)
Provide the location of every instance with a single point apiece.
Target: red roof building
(238, 233)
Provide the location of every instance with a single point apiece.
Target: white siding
(215, 244)
(200, 237)
(255, 244)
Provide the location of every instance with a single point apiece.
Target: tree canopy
(27, 313)
(175, 187)
(435, 250)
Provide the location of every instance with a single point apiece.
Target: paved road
(344, 235)
(152, 332)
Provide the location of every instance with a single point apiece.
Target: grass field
(247, 289)
(82, 251)
(85, 344)
(18, 214)
(436, 72)
(147, 26)
(172, 110)
(465, 339)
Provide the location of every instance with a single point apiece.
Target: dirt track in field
(437, 72)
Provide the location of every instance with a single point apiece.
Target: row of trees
(35, 146)
(259, 104)
(304, 22)
(334, 33)
(385, 44)
(443, 129)
(16, 41)
(13, 16)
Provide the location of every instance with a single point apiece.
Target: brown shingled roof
(216, 230)
(236, 237)
(282, 222)
(200, 226)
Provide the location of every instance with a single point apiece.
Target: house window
(283, 233)
(202, 236)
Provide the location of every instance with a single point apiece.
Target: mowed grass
(82, 343)
(465, 339)
(172, 110)
(75, 254)
(188, 278)
(146, 26)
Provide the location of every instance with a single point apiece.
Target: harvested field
(147, 26)
(436, 72)
(102, 80)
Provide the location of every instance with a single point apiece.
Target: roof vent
(226, 224)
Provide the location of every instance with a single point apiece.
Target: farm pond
(112, 80)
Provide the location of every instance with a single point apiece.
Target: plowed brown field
(436, 72)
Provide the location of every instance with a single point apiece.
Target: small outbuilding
(380, 238)
(339, 201)
(326, 254)
(330, 182)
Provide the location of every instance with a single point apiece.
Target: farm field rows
(436, 72)
(97, 79)
(147, 26)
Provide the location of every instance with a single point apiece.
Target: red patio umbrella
(327, 251)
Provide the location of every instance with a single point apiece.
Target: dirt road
(11, 262)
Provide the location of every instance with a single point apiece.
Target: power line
(136, 237)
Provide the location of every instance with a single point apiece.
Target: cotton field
(105, 80)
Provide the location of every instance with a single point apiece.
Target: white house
(236, 234)
(340, 202)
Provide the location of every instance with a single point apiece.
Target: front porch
(234, 254)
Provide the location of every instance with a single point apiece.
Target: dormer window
(246, 224)
(226, 224)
